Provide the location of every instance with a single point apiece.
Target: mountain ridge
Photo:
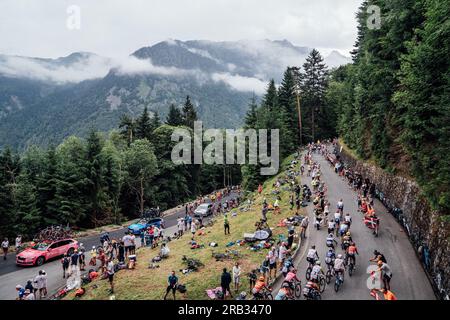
(55, 98)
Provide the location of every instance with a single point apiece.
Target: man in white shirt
(180, 226)
(127, 243)
(110, 272)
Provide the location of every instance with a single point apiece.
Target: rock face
(429, 235)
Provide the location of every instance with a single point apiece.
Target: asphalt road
(409, 281)
(12, 275)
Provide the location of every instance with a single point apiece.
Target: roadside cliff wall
(428, 233)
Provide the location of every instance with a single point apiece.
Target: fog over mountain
(53, 98)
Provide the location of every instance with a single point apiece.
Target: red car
(44, 251)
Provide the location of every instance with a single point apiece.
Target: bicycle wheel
(337, 284)
(298, 290)
(328, 276)
(308, 273)
(269, 296)
(322, 284)
(350, 269)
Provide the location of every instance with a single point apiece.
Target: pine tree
(174, 117)
(72, 182)
(189, 113)
(7, 218)
(288, 117)
(144, 126)
(95, 190)
(128, 126)
(46, 188)
(27, 213)
(313, 87)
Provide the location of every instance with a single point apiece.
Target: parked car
(203, 210)
(44, 251)
(139, 227)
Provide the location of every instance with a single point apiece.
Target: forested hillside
(393, 102)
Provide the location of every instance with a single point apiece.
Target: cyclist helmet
(285, 285)
(243, 295)
(93, 247)
(261, 278)
(340, 256)
(318, 263)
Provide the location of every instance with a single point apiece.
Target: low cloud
(93, 67)
(241, 83)
(89, 67)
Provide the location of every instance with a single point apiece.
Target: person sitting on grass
(164, 252)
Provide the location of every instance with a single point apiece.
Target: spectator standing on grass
(236, 276)
(121, 251)
(180, 227)
(110, 272)
(43, 291)
(133, 244)
(65, 262)
(102, 258)
(193, 229)
(226, 224)
(290, 239)
(74, 262)
(127, 243)
(172, 283)
(5, 246)
(225, 281)
(303, 227)
(82, 251)
(273, 262)
(186, 220)
(29, 286)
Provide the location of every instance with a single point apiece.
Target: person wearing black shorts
(172, 283)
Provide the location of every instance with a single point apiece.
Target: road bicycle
(330, 273)
(339, 281)
(263, 295)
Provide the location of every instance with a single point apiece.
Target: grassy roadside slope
(149, 284)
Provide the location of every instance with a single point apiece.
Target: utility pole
(295, 71)
(299, 118)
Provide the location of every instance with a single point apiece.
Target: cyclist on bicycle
(337, 218)
(331, 241)
(284, 291)
(343, 228)
(339, 266)
(260, 285)
(346, 240)
(317, 272)
(330, 257)
(291, 278)
(348, 219)
(312, 255)
(340, 206)
(351, 251)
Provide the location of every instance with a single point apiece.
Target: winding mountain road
(409, 281)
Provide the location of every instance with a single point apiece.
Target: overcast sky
(117, 28)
